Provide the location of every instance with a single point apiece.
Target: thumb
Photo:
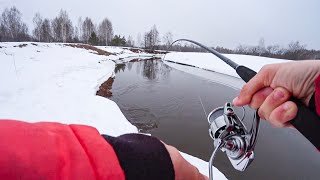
(259, 81)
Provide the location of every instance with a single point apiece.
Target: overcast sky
(225, 23)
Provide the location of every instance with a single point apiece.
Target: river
(165, 102)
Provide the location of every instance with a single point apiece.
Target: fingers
(277, 109)
(280, 116)
(259, 97)
(259, 81)
(182, 168)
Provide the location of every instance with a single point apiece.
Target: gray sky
(213, 22)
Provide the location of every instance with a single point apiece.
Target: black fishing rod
(306, 121)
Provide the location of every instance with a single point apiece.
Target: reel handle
(307, 122)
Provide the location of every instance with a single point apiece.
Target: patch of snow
(230, 81)
(209, 61)
(204, 167)
(122, 54)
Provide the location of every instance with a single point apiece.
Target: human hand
(182, 168)
(271, 88)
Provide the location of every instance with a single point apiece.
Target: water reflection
(151, 69)
(120, 67)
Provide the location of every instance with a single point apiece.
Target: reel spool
(231, 136)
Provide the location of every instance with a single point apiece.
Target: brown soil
(105, 88)
(138, 50)
(155, 51)
(138, 59)
(21, 45)
(89, 47)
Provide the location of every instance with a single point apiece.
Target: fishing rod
(230, 135)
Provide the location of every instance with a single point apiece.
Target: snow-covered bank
(122, 55)
(210, 62)
(55, 82)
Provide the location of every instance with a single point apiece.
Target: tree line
(61, 29)
(293, 51)
(58, 29)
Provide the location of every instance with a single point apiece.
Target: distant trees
(118, 41)
(37, 22)
(46, 33)
(294, 51)
(93, 39)
(105, 32)
(87, 29)
(151, 38)
(168, 39)
(11, 26)
(59, 29)
(62, 29)
(130, 42)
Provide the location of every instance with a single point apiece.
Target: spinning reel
(231, 136)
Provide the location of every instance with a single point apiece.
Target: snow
(123, 54)
(209, 61)
(230, 81)
(55, 82)
(203, 166)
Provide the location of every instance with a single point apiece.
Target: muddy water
(165, 102)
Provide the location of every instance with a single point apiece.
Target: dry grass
(21, 45)
(89, 47)
(105, 88)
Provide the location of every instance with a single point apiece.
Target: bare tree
(62, 27)
(46, 33)
(37, 22)
(76, 34)
(80, 23)
(168, 39)
(87, 29)
(261, 47)
(296, 51)
(139, 41)
(66, 26)
(151, 38)
(3, 30)
(12, 27)
(130, 41)
(105, 32)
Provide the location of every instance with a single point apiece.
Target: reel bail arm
(231, 136)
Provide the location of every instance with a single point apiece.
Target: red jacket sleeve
(55, 151)
(317, 94)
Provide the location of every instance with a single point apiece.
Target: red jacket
(80, 152)
(317, 94)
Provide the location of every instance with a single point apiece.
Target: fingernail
(289, 113)
(286, 107)
(235, 101)
(278, 95)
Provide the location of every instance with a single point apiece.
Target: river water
(166, 103)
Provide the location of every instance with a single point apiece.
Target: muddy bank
(92, 48)
(150, 51)
(105, 88)
(140, 59)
